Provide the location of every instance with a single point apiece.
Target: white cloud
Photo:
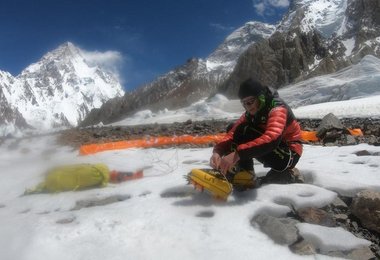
(260, 8)
(279, 3)
(221, 27)
(266, 7)
(108, 60)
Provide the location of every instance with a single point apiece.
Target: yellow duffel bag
(73, 177)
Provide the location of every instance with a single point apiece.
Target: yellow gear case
(211, 181)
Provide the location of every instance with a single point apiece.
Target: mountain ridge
(315, 37)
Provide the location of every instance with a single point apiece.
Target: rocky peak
(225, 56)
(315, 37)
(363, 19)
(10, 118)
(65, 51)
(59, 58)
(59, 89)
(327, 17)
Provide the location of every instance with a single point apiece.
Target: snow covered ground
(155, 221)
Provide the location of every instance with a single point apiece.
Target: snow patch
(330, 238)
(327, 16)
(315, 63)
(349, 44)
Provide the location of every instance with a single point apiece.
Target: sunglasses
(249, 102)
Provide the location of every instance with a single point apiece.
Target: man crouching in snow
(267, 131)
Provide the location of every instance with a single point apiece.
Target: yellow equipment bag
(73, 177)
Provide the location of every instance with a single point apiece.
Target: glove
(215, 161)
(228, 161)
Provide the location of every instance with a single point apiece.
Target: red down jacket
(275, 124)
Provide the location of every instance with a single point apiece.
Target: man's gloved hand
(228, 161)
(215, 161)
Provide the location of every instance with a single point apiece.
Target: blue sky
(148, 37)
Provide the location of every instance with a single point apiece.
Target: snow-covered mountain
(326, 16)
(315, 37)
(226, 55)
(186, 84)
(355, 23)
(357, 81)
(58, 90)
(201, 76)
(10, 118)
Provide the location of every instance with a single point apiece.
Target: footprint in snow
(205, 214)
(86, 203)
(178, 192)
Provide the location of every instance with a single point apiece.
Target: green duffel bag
(73, 177)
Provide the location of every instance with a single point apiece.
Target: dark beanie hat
(250, 87)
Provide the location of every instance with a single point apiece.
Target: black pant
(279, 159)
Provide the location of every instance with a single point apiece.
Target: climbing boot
(242, 180)
(285, 177)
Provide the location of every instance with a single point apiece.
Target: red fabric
(292, 135)
(224, 146)
(274, 132)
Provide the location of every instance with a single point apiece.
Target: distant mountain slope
(353, 82)
(58, 90)
(315, 37)
(188, 83)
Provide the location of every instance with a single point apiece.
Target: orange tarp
(355, 132)
(150, 142)
(309, 136)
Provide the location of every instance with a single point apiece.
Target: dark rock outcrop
(10, 115)
(283, 231)
(366, 207)
(282, 59)
(328, 123)
(316, 216)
